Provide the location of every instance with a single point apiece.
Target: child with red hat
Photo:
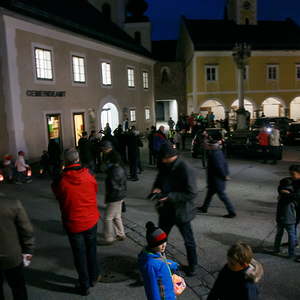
(155, 268)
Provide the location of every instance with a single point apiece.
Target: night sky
(165, 14)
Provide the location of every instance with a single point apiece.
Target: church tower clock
(243, 12)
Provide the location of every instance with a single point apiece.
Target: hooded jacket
(76, 192)
(158, 282)
(240, 285)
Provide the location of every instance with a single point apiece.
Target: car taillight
(41, 171)
(29, 173)
(1, 178)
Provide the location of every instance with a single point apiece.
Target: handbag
(178, 281)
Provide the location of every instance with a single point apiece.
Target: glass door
(54, 128)
(78, 125)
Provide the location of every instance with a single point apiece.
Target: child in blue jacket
(155, 268)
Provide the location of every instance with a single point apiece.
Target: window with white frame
(298, 71)
(145, 80)
(106, 73)
(272, 72)
(132, 115)
(246, 73)
(211, 73)
(43, 64)
(147, 113)
(78, 67)
(130, 77)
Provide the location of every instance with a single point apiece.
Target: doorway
(164, 110)
(110, 115)
(54, 128)
(78, 125)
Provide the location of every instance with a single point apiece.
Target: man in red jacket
(76, 192)
(264, 143)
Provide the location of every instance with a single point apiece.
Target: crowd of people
(174, 193)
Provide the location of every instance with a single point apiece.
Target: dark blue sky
(165, 14)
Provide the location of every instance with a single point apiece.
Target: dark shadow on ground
(263, 203)
(120, 268)
(52, 226)
(48, 280)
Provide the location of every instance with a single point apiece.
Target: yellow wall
(258, 87)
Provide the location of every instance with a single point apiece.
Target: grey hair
(71, 156)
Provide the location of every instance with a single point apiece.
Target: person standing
(264, 143)
(171, 124)
(54, 152)
(134, 143)
(85, 152)
(22, 168)
(275, 144)
(150, 138)
(76, 191)
(16, 246)
(176, 186)
(217, 175)
(115, 192)
(159, 139)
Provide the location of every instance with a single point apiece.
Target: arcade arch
(109, 114)
(273, 107)
(214, 106)
(295, 109)
(249, 106)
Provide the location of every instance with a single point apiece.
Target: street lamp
(241, 54)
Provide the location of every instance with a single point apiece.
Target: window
(298, 71)
(145, 80)
(272, 72)
(211, 73)
(43, 64)
(130, 76)
(132, 115)
(78, 69)
(246, 73)
(147, 113)
(106, 73)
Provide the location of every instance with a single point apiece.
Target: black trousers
(133, 166)
(188, 237)
(84, 248)
(16, 281)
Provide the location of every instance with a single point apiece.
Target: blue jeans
(219, 189)
(291, 231)
(84, 248)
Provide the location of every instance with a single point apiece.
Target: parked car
(218, 134)
(293, 133)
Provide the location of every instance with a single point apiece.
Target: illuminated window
(132, 115)
(106, 73)
(78, 69)
(130, 77)
(43, 64)
(145, 80)
(147, 113)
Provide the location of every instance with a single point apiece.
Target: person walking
(264, 143)
(16, 246)
(76, 192)
(115, 192)
(176, 189)
(22, 167)
(158, 140)
(217, 175)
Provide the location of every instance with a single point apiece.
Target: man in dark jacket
(85, 152)
(217, 175)
(16, 246)
(150, 138)
(76, 192)
(176, 189)
(115, 192)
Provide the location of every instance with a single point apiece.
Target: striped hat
(155, 236)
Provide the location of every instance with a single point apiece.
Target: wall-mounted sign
(33, 93)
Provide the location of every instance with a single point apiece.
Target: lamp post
(241, 54)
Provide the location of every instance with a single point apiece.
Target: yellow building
(272, 77)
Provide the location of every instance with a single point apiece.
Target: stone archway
(295, 109)
(109, 113)
(249, 106)
(214, 106)
(273, 107)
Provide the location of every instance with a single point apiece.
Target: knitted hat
(155, 236)
(167, 150)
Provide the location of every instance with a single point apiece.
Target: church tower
(242, 12)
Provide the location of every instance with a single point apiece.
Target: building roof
(223, 34)
(78, 16)
(164, 50)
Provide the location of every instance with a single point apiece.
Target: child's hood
(146, 255)
(255, 271)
